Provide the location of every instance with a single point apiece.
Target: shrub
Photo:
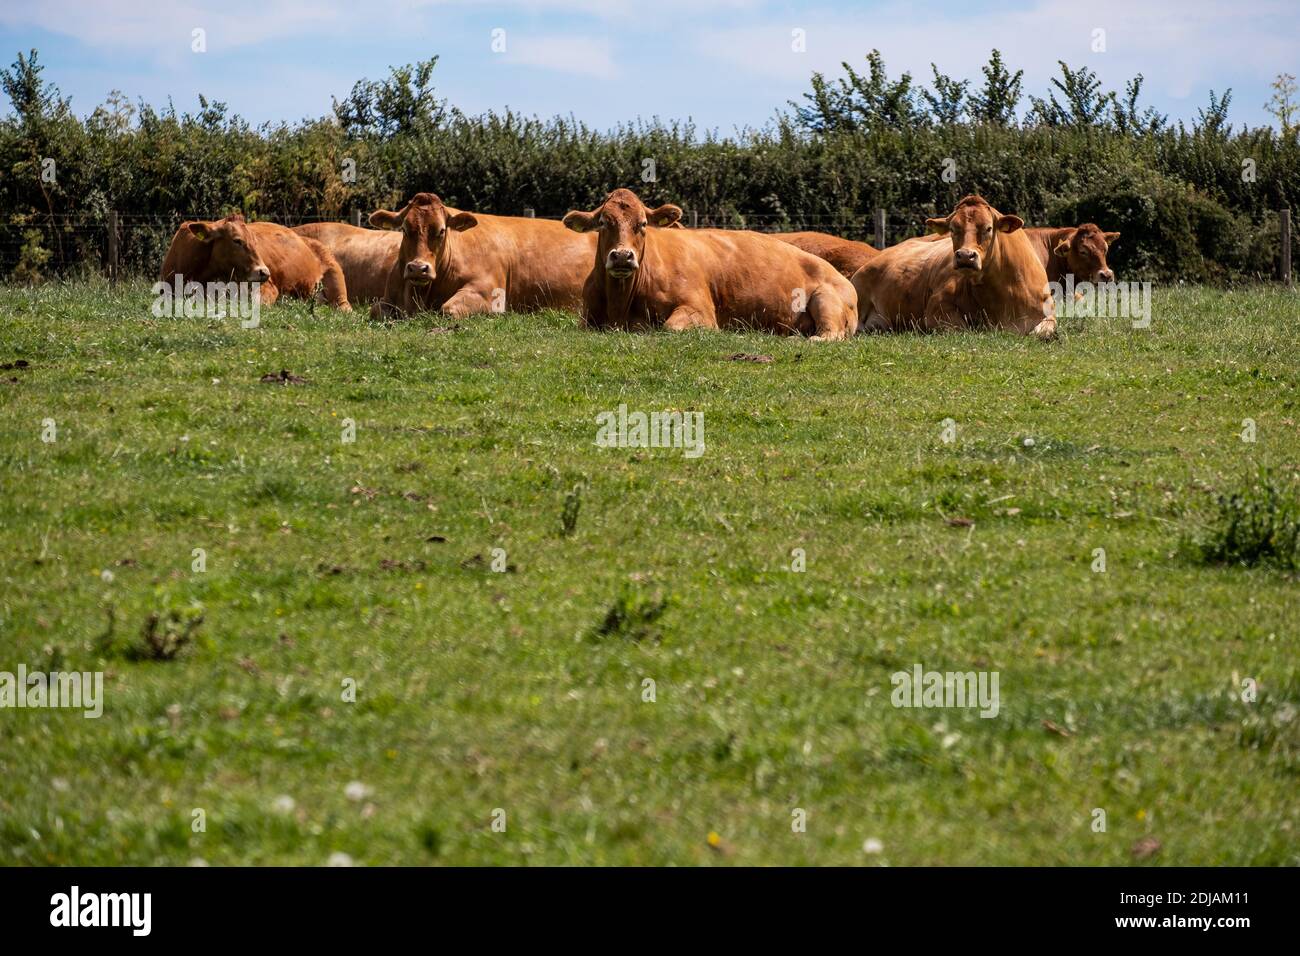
(1256, 525)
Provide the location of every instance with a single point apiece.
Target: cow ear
(1062, 249)
(384, 219)
(1110, 237)
(462, 221)
(1009, 223)
(664, 216)
(201, 231)
(939, 226)
(580, 221)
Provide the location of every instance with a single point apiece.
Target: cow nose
(262, 273)
(416, 269)
(1106, 275)
(966, 255)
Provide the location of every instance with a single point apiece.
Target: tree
(857, 102)
(1125, 113)
(1085, 103)
(403, 103)
(1283, 103)
(1214, 120)
(33, 99)
(996, 103)
(947, 101)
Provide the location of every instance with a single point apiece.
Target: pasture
(329, 562)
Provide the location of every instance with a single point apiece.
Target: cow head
(1084, 251)
(973, 226)
(232, 251)
(425, 223)
(621, 223)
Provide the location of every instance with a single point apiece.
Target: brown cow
(466, 263)
(273, 255)
(1074, 250)
(988, 276)
(844, 254)
(646, 277)
(366, 256)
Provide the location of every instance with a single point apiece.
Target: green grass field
(371, 562)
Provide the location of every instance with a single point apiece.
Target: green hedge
(1178, 196)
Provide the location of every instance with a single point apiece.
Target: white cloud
(1183, 47)
(581, 55)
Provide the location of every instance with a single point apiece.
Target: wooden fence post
(695, 219)
(1285, 265)
(530, 212)
(356, 218)
(880, 228)
(112, 246)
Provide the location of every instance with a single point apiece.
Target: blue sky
(724, 63)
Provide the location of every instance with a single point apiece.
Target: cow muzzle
(966, 259)
(419, 272)
(1104, 276)
(621, 263)
(259, 273)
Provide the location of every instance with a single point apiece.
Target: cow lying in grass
(988, 277)
(846, 255)
(646, 275)
(280, 260)
(466, 263)
(1074, 250)
(366, 256)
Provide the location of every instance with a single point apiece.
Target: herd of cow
(623, 265)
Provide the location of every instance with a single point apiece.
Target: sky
(726, 64)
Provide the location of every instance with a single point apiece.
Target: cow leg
(336, 290)
(831, 316)
(689, 317)
(467, 302)
(940, 316)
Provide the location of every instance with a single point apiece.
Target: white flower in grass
(283, 804)
(339, 859)
(357, 791)
(873, 846)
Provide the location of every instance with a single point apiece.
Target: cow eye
(640, 226)
(239, 242)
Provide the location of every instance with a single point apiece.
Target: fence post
(356, 218)
(1286, 247)
(695, 219)
(112, 246)
(530, 212)
(880, 228)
